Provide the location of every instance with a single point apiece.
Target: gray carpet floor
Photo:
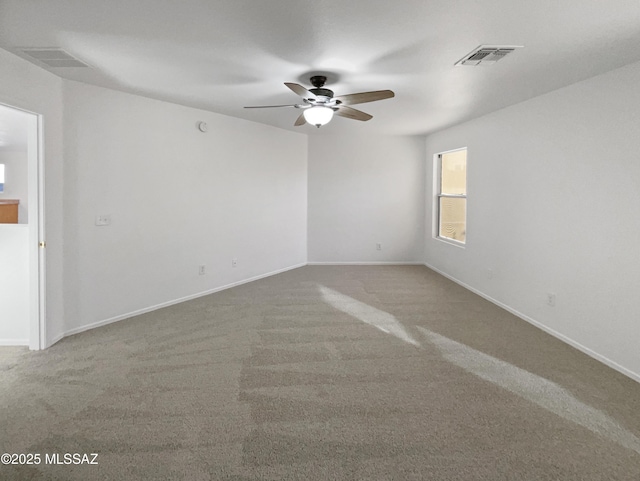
(321, 373)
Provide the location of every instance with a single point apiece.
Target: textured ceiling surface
(223, 55)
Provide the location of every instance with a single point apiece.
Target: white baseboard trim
(55, 339)
(144, 310)
(589, 352)
(394, 263)
(14, 342)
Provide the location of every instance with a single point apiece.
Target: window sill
(452, 242)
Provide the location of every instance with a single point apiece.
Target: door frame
(37, 243)
(37, 257)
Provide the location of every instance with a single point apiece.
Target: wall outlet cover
(103, 220)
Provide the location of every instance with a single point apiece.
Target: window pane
(453, 214)
(454, 172)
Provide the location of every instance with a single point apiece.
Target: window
(451, 200)
(1, 178)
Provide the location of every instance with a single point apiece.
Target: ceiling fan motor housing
(320, 92)
(318, 82)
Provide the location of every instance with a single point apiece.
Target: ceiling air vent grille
(486, 55)
(53, 57)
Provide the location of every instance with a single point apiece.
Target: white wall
(16, 185)
(178, 198)
(14, 255)
(31, 88)
(365, 190)
(14, 285)
(553, 207)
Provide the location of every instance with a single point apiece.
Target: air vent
(53, 57)
(486, 55)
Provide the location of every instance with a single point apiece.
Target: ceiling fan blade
(348, 112)
(301, 91)
(300, 120)
(269, 106)
(362, 97)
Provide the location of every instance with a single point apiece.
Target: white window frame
(437, 185)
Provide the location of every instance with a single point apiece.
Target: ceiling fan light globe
(318, 115)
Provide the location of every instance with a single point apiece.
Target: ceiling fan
(319, 105)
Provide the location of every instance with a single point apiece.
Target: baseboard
(55, 339)
(393, 263)
(138, 312)
(589, 352)
(14, 342)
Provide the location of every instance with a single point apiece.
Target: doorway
(21, 229)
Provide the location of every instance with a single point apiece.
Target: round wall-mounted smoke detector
(202, 126)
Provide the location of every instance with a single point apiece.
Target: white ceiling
(222, 55)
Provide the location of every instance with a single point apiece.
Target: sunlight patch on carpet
(531, 387)
(381, 320)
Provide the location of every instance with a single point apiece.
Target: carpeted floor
(321, 373)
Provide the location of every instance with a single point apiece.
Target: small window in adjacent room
(451, 199)
(1, 178)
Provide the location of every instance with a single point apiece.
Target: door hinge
(42, 244)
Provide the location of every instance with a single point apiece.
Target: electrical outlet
(378, 247)
(551, 299)
(201, 270)
(234, 262)
(103, 220)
